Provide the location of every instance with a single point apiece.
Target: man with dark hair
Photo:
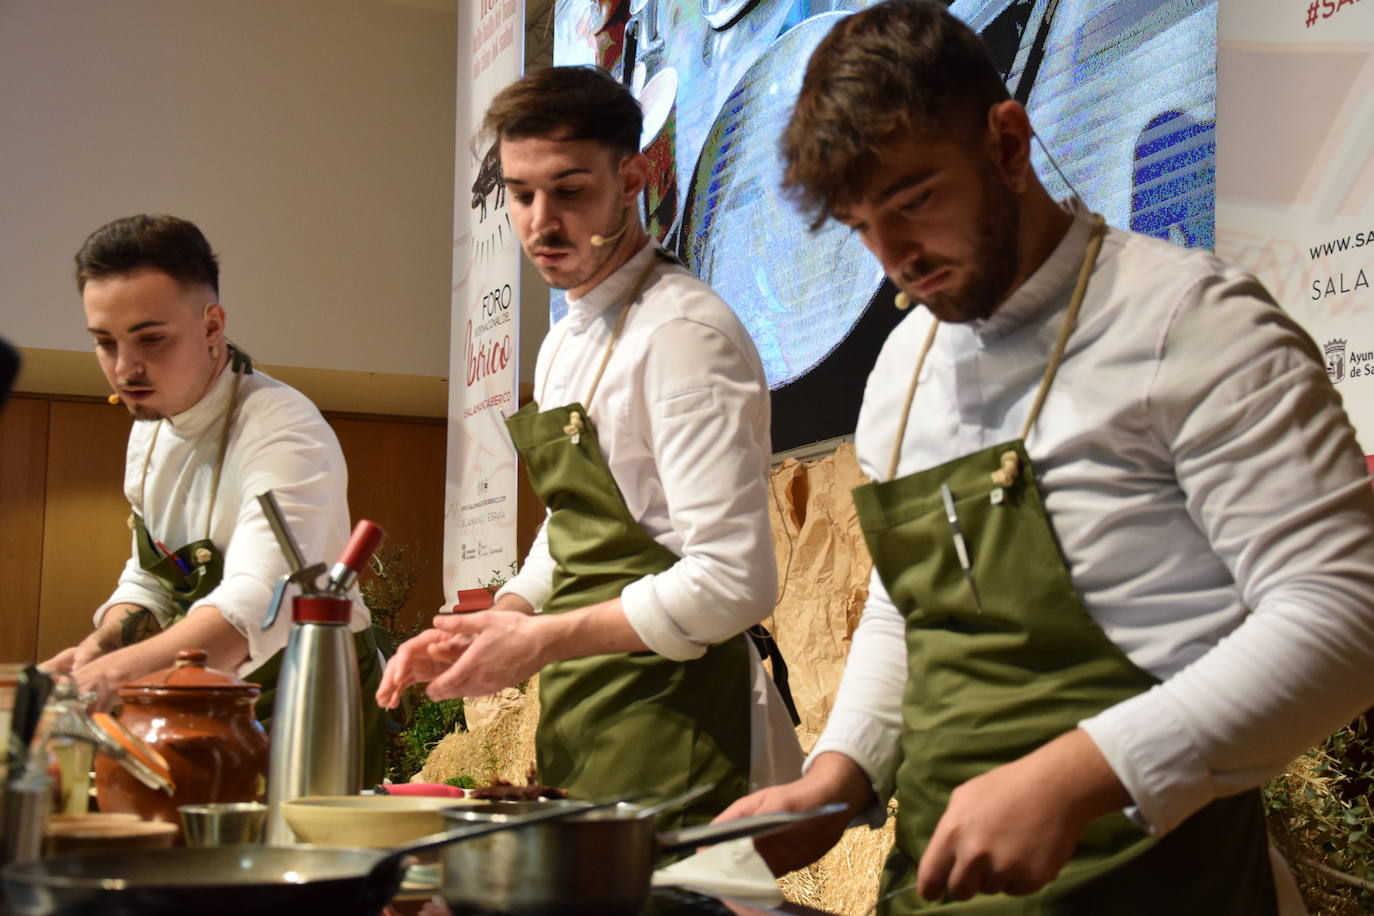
(1122, 534)
(210, 435)
(648, 443)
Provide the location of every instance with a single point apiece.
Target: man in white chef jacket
(648, 389)
(1210, 505)
(210, 433)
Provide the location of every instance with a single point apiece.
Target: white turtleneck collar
(201, 415)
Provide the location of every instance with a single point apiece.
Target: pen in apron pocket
(960, 547)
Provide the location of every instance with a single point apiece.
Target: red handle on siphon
(367, 537)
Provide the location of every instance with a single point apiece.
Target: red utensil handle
(367, 537)
(431, 789)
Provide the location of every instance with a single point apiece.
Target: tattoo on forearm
(137, 626)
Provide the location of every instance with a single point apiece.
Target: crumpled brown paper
(823, 569)
(480, 712)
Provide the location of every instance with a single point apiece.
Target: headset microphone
(600, 240)
(902, 301)
(113, 399)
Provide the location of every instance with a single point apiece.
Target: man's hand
(1013, 828)
(477, 654)
(417, 660)
(103, 676)
(425, 657)
(494, 649)
(204, 628)
(112, 634)
(832, 777)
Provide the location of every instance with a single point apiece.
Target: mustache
(551, 240)
(138, 381)
(919, 270)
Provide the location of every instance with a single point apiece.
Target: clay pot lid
(189, 673)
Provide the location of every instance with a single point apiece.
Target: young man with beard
(210, 435)
(1121, 529)
(648, 442)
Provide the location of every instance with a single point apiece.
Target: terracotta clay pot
(201, 722)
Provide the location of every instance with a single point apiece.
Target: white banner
(480, 494)
(1295, 172)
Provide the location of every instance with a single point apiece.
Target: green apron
(628, 722)
(191, 572)
(1002, 657)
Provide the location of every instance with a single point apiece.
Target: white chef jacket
(682, 417)
(1206, 489)
(278, 441)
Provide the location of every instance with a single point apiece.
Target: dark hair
(903, 67)
(166, 243)
(587, 102)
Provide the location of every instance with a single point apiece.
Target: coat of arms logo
(1335, 359)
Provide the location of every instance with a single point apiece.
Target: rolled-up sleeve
(138, 587)
(1273, 476)
(705, 409)
(301, 464)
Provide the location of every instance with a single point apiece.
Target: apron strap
(910, 396)
(615, 334)
(1098, 232)
(1080, 289)
(223, 447)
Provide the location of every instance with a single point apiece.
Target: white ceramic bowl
(373, 821)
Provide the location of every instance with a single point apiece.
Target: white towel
(732, 869)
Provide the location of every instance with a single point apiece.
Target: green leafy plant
(1319, 812)
(499, 578)
(420, 723)
(431, 721)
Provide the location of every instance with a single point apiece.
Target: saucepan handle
(689, 838)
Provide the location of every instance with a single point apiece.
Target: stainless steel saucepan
(596, 863)
(233, 880)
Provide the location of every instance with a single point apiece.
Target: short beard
(996, 257)
(600, 254)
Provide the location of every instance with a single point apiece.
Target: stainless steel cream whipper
(317, 718)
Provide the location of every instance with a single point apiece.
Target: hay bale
(499, 742)
(844, 880)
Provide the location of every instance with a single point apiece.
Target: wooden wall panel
(396, 479)
(23, 451)
(63, 537)
(85, 530)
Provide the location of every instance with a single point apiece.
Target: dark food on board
(501, 790)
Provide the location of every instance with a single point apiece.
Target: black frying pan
(229, 880)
